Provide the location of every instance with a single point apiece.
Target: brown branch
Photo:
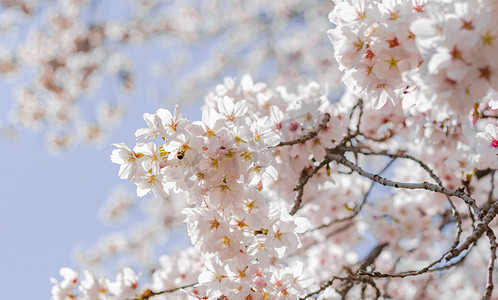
(483, 116)
(353, 277)
(419, 272)
(491, 191)
(372, 256)
(481, 173)
(388, 281)
(453, 252)
(303, 179)
(491, 267)
(359, 207)
(427, 269)
(431, 173)
(146, 294)
(420, 186)
(491, 200)
(324, 286)
(340, 229)
(308, 136)
(349, 283)
(360, 106)
(350, 134)
(479, 230)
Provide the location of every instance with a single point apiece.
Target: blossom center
(494, 143)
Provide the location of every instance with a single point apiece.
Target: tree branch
(308, 136)
(372, 256)
(431, 173)
(303, 179)
(358, 208)
(491, 266)
(146, 294)
(479, 230)
(421, 186)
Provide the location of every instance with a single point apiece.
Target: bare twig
(360, 106)
(303, 179)
(308, 136)
(489, 285)
(146, 294)
(352, 277)
(481, 227)
(324, 286)
(429, 171)
(359, 207)
(421, 186)
(483, 116)
(340, 229)
(479, 230)
(350, 134)
(372, 256)
(427, 269)
(491, 191)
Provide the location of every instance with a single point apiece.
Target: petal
(225, 105)
(164, 115)
(240, 108)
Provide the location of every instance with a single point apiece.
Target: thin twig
(372, 256)
(146, 294)
(308, 136)
(303, 179)
(350, 134)
(356, 277)
(477, 233)
(491, 266)
(483, 116)
(340, 229)
(359, 207)
(325, 285)
(491, 191)
(420, 186)
(429, 171)
(479, 230)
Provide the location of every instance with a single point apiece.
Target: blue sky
(50, 203)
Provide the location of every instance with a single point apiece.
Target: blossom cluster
(233, 181)
(436, 55)
(223, 163)
(94, 288)
(280, 190)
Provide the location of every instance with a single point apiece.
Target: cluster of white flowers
(438, 55)
(261, 184)
(234, 187)
(458, 42)
(223, 163)
(374, 46)
(125, 286)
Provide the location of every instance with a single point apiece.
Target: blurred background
(78, 75)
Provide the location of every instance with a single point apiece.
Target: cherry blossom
(388, 192)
